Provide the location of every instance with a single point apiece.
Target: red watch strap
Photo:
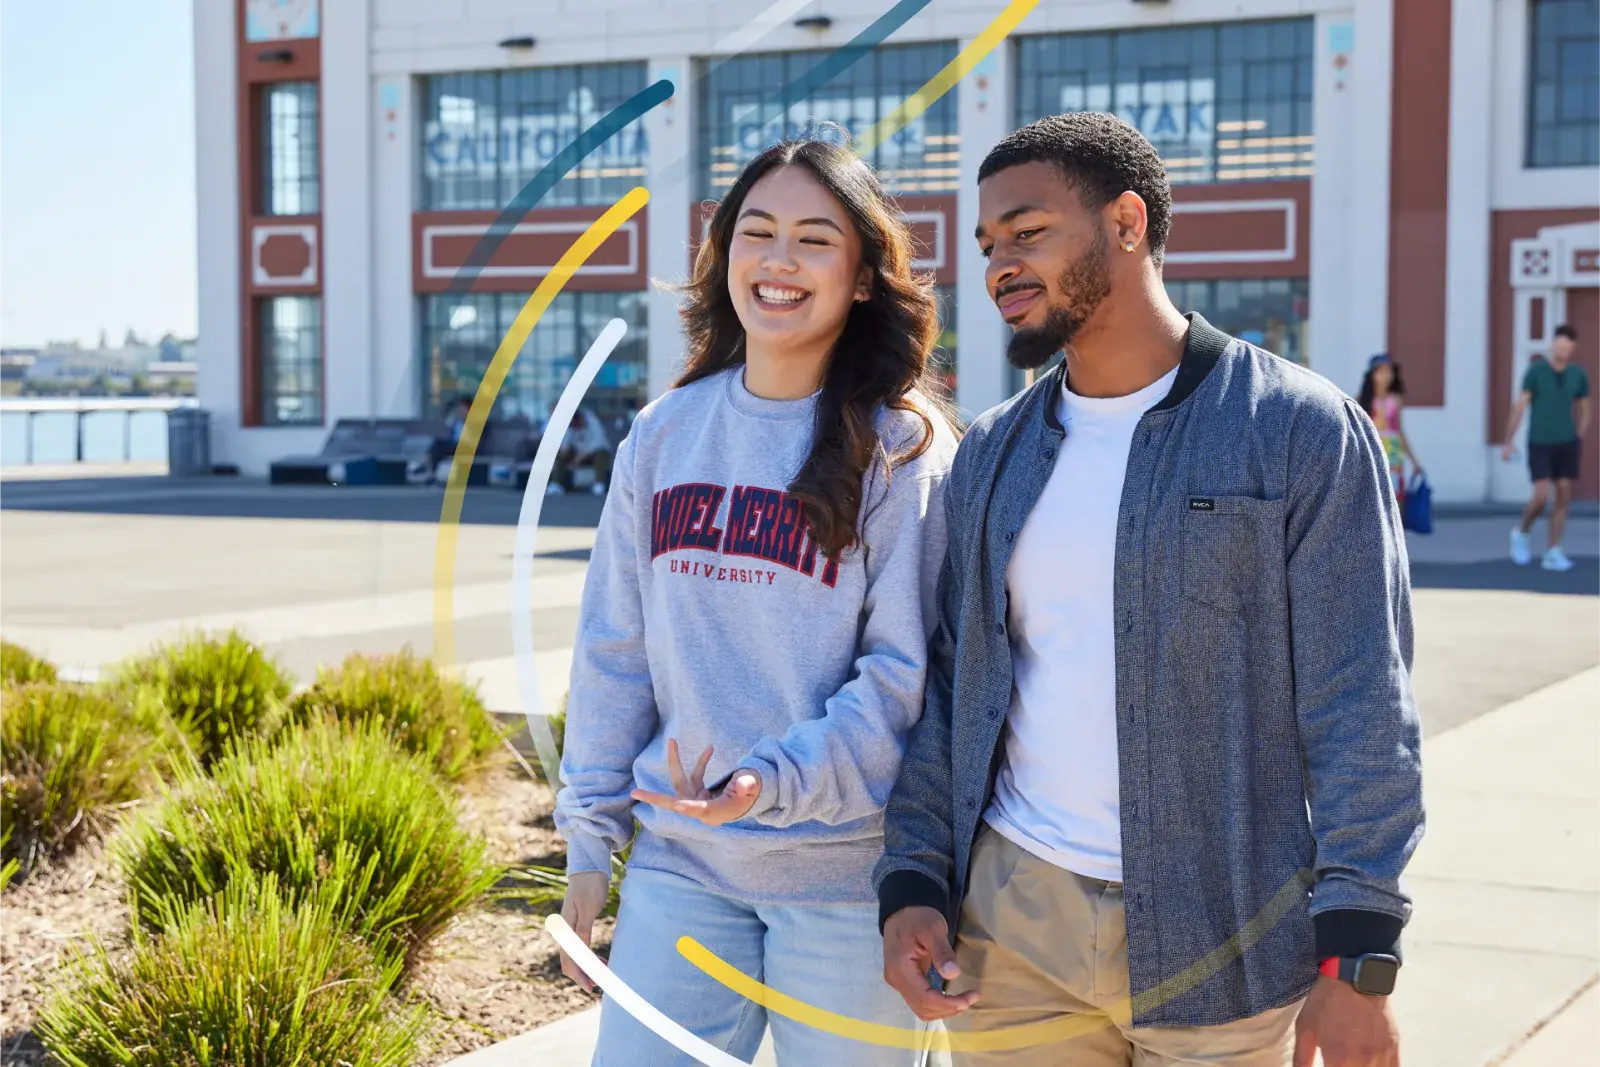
(1330, 967)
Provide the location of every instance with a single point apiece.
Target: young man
(1555, 443)
(1174, 612)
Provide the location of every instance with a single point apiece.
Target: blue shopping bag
(1416, 508)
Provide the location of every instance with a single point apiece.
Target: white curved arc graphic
(633, 1003)
(544, 462)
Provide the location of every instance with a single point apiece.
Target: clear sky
(97, 227)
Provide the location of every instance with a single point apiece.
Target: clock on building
(280, 20)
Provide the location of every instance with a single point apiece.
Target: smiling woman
(805, 280)
(753, 640)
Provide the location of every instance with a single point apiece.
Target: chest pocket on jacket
(1232, 550)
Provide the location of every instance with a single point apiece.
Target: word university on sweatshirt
(763, 524)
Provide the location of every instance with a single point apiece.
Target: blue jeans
(830, 956)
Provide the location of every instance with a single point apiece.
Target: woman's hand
(585, 900)
(694, 800)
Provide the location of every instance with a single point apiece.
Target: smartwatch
(1372, 973)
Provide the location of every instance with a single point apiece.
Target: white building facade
(1350, 177)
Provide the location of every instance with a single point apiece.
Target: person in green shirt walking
(1551, 390)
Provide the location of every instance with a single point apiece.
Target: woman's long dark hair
(880, 358)
(1397, 386)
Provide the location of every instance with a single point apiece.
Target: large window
(484, 135)
(1221, 103)
(461, 332)
(291, 361)
(735, 124)
(1564, 84)
(1270, 313)
(290, 162)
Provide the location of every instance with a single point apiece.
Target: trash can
(188, 442)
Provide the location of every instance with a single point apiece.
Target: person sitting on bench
(586, 445)
(444, 447)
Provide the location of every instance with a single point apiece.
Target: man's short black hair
(1099, 154)
(1568, 331)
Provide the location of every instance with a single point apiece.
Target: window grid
(1564, 84)
(487, 133)
(460, 333)
(291, 361)
(922, 158)
(1231, 102)
(291, 171)
(1270, 313)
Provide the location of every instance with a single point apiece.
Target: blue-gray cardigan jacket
(1268, 746)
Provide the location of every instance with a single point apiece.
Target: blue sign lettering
(526, 142)
(436, 147)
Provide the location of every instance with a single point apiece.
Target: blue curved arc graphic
(648, 98)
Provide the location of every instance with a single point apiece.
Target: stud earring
(1128, 246)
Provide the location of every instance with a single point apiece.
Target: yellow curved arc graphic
(444, 563)
(1029, 1035)
(942, 82)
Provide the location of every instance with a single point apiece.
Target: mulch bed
(493, 974)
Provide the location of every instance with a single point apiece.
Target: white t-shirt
(1057, 792)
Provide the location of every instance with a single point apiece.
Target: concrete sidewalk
(1503, 956)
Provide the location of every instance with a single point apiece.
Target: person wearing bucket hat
(1382, 397)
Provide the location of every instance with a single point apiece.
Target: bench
(357, 452)
(505, 443)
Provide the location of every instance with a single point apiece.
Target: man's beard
(1086, 284)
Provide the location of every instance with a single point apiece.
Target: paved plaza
(1502, 959)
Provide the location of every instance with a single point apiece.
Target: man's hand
(916, 940)
(1352, 1029)
(694, 800)
(585, 900)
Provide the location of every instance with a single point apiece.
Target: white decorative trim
(939, 223)
(258, 237)
(1285, 254)
(1550, 260)
(630, 229)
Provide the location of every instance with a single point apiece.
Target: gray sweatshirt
(710, 616)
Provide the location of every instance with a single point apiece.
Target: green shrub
(68, 756)
(242, 980)
(19, 666)
(292, 809)
(214, 687)
(441, 719)
(10, 865)
(558, 724)
(544, 888)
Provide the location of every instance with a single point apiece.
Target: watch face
(1376, 975)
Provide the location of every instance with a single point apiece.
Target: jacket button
(1000, 629)
(1010, 538)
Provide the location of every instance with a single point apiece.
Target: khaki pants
(1046, 947)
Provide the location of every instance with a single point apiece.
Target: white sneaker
(598, 489)
(1521, 554)
(1556, 560)
(554, 490)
